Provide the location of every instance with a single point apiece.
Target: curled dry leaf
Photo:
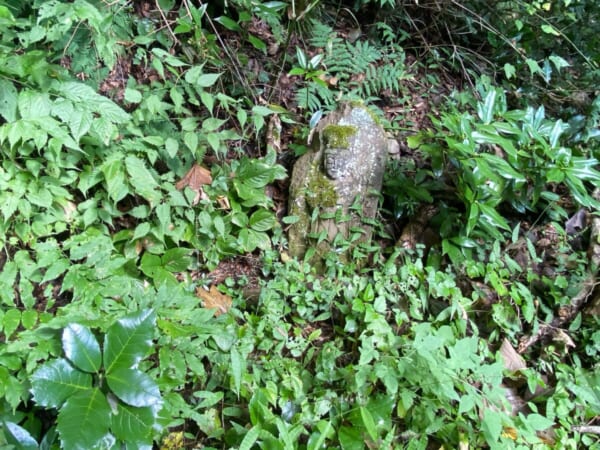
(214, 299)
(195, 179)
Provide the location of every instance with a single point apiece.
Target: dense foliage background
(147, 299)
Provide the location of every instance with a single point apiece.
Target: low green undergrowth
(139, 151)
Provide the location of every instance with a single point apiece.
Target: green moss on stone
(320, 191)
(336, 136)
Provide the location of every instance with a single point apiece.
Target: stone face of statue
(334, 162)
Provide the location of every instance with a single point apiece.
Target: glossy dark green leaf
(262, 220)
(81, 348)
(18, 436)
(128, 340)
(133, 387)
(84, 420)
(54, 382)
(133, 424)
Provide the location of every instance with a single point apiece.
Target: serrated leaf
(8, 100)
(19, 437)
(114, 175)
(142, 179)
(207, 79)
(133, 387)
(133, 424)
(33, 105)
(55, 381)
(128, 340)
(84, 420)
(81, 347)
(80, 123)
(132, 95)
(56, 269)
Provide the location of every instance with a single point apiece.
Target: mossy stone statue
(336, 184)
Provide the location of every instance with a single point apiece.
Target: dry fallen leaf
(512, 360)
(196, 177)
(214, 299)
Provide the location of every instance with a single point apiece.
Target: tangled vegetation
(147, 299)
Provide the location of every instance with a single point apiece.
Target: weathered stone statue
(336, 184)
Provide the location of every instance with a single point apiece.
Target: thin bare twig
(162, 14)
(593, 429)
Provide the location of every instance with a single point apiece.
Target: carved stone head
(334, 162)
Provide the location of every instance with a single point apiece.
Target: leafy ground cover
(146, 295)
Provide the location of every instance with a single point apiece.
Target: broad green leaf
(238, 367)
(539, 422)
(133, 387)
(133, 95)
(114, 175)
(262, 220)
(59, 267)
(257, 43)
(142, 180)
(509, 70)
(11, 321)
(33, 105)
(485, 110)
(80, 123)
(207, 79)
(84, 420)
(228, 23)
(558, 62)
(81, 348)
(549, 29)
(369, 423)
(250, 438)
(55, 381)
(128, 340)
(19, 437)
(177, 259)
(351, 438)
(8, 100)
(133, 424)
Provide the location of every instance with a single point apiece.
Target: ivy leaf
(81, 348)
(128, 340)
(133, 387)
(133, 424)
(19, 437)
(84, 420)
(56, 381)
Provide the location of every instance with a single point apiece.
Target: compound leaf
(133, 387)
(133, 424)
(84, 420)
(128, 339)
(56, 381)
(81, 347)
